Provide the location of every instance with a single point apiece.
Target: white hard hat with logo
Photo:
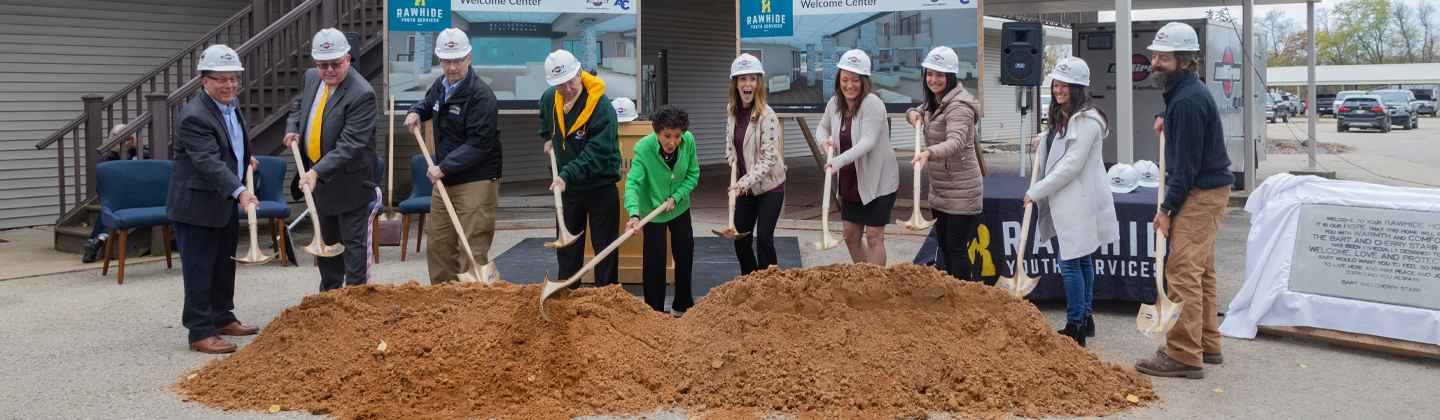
(452, 44)
(329, 44)
(746, 64)
(560, 67)
(1148, 173)
(1122, 178)
(855, 61)
(1072, 70)
(624, 109)
(1176, 36)
(219, 57)
(942, 59)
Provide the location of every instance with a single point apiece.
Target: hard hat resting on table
(746, 64)
(1122, 178)
(1071, 70)
(452, 44)
(560, 67)
(1148, 173)
(219, 57)
(855, 61)
(942, 59)
(624, 109)
(329, 44)
(1176, 36)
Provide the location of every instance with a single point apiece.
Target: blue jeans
(1079, 277)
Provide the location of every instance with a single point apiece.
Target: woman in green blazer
(662, 174)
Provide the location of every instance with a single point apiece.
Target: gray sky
(1293, 11)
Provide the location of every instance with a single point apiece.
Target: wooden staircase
(272, 38)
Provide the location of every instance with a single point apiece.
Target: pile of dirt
(452, 351)
(841, 341)
(862, 341)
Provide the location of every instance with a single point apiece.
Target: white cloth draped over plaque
(1266, 299)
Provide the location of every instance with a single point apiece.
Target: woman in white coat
(752, 141)
(1073, 196)
(854, 124)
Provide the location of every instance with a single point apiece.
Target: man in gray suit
(205, 188)
(334, 121)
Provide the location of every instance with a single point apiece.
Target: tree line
(1356, 32)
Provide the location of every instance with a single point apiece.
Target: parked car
(1304, 107)
(1270, 109)
(1292, 101)
(1279, 108)
(1363, 111)
(1426, 104)
(1325, 104)
(1406, 113)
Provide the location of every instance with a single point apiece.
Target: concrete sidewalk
(77, 345)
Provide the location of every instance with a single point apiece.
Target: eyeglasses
(452, 62)
(225, 81)
(329, 66)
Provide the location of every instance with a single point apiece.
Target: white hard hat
(560, 67)
(1148, 173)
(624, 109)
(746, 64)
(452, 44)
(855, 61)
(942, 59)
(219, 57)
(1072, 70)
(1122, 178)
(329, 44)
(1176, 36)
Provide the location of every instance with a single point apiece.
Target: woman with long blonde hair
(752, 144)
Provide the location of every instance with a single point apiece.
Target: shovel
(566, 238)
(1021, 283)
(1156, 320)
(390, 214)
(916, 222)
(317, 246)
(551, 287)
(826, 241)
(254, 256)
(730, 232)
(474, 271)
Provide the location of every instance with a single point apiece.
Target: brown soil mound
(452, 351)
(862, 341)
(842, 341)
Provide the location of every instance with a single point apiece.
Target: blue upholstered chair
(418, 203)
(270, 190)
(132, 195)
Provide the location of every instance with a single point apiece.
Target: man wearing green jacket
(579, 126)
(662, 174)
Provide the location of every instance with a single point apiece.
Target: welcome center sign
(767, 18)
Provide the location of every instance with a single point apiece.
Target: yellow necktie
(315, 124)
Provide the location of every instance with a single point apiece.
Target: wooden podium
(632, 251)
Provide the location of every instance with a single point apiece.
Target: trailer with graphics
(1220, 70)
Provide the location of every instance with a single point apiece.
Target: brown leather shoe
(1164, 366)
(236, 329)
(213, 345)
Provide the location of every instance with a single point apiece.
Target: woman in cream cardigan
(855, 125)
(1073, 196)
(753, 131)
(957, 191)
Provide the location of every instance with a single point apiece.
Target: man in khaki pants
(1197, 188)
(467, 156)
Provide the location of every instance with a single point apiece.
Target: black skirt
(877, 213)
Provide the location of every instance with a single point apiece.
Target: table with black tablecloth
(1124, 270)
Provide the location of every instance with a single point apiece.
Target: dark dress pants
(602, 209)
(209, 271)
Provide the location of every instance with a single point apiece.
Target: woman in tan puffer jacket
(957, 189)
(752, 141)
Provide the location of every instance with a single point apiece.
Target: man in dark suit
(334, 121)
(205, 188)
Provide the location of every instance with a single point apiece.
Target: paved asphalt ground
(78, 346)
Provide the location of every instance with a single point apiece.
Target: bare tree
(1406, 35)
(1425, 17)
(1280, 30)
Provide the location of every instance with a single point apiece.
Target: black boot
(1074, 332)
(1089, 326)
(92, 249)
